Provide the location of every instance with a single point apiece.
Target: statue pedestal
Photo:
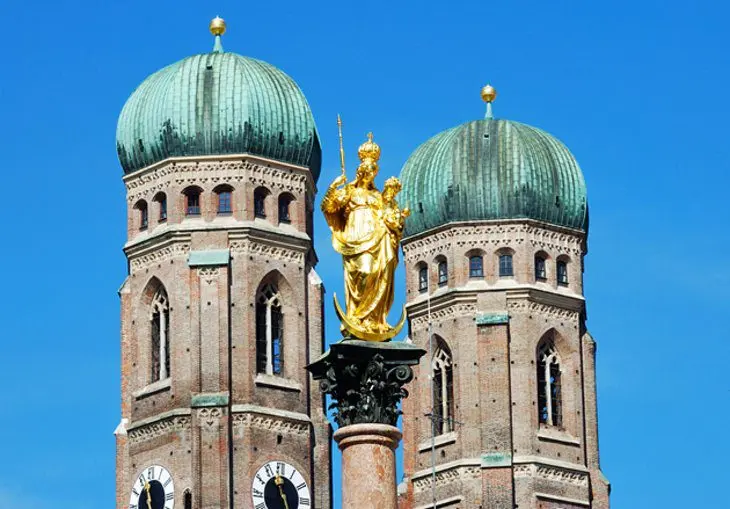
(365, 381)
(368, 465)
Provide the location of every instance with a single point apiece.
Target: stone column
(365, 381)
(368, 465)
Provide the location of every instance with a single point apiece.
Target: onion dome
(218, 103)
(493, 169)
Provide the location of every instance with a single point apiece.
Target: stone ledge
(277, 382)
(557, 435)
(557, 498)
(153, 388)
(439, 441)
(446, 502)
(175, 412)
(274, 412)
(451, 465)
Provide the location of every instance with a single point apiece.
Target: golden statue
(367, 227)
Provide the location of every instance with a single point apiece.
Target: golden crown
(369, 150)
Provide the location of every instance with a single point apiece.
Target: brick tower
(494, 260)
(222, 307)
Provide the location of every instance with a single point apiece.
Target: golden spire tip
(217, 26)
(489, 93)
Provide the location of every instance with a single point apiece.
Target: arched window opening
(540, 268)
(284, 202)
(144, 218)
(192, 201)
(443, 273)
(160, 318)
(187, 500)
(259, 202)
(443, 391)
(505, 265)
(269, 332)
(562, 270)
(161, 200)
(422, 278)
(224, 195)
(476, 266)
(548, 384)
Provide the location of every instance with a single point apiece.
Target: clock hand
(280, 483)
(149, 496)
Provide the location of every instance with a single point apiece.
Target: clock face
(278, 485)
(153, 489)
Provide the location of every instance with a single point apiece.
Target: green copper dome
(493, 169)
(217, 103)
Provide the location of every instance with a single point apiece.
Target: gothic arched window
(548, 383)
(443, 391)
(187, 500)
(269, 332)
(160, 318)
(476, 266)
(284, 205)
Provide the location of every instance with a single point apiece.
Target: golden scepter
(342, 148)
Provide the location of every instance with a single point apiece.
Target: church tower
(222, 308)
(502, 412)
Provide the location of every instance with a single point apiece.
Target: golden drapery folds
(367, 227)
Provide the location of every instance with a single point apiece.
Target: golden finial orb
(489, 94)
(217, 26)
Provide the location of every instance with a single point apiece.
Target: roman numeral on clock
(303, 501)
(257, 493)
(169, 496)
(262, 505)
(303, 485)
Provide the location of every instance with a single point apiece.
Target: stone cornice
(493, 235)
(246, 237)
(270, 419)
(221, 168)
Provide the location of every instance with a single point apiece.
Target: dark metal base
(365, 379)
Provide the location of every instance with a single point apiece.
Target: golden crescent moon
(360, 333)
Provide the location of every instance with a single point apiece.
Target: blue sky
(637, 90)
